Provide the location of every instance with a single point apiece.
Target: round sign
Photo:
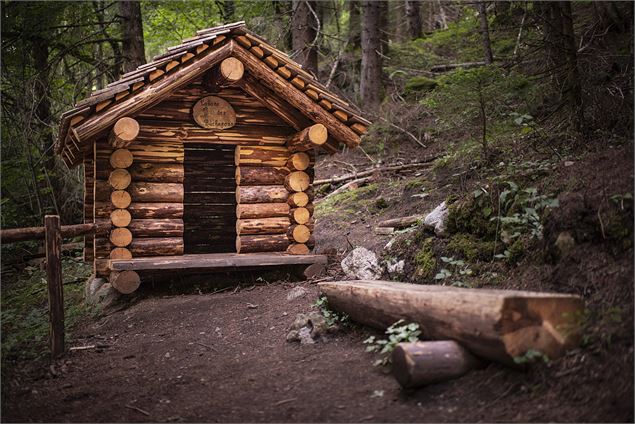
(214, 113)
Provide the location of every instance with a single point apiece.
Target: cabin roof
(149, 84)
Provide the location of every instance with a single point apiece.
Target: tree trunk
(303, 32)
(228, 10)
(413, 16)
(495, 324)
(370, 83)
(573, 86)
(354, 25)
(132, 32)
(484, 26)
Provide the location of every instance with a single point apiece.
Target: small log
(262, 226)
(121, 158)
(120, 237)
(156, 192)
(421, 363)
(120, 218)
(120, 199)
(261, 156)
(261, 210)
(157, 246)
(119, 179)
(298, 249)
(156, 227)
(299, 215)
(261, 194)
(494, 324)
(157, 172)
(123, 133)
(125, 282)
(298, 161)
(299, 199)
(260, 175)
(53, 232)
(264, 243)
(309, 138)
(120, 253)
(403, 222)
(299, 233)
(297, 181)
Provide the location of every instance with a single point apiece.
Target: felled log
(119, 179)
(261, 156)
(120, 218)
(418, 364)
(263, 243)
(155, 227)
(260, 175)
(120, 199)
(309, 138)
(297, 181)
(298, 199)
(123, 133)
(299, 233)
(125, 282)
(495, 324)
(156, 192)
(156, 246)
(261, 210)
(261, 194)
(157, 172)
(403, 222)
(262, 226)
(300, 215)
(298, 161)
(389, 168)
(451, 66)
(13, 235)
(143, 210)
(121, 158)
(120, 237)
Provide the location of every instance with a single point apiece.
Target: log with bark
(403, 222)
(157, 172)
(261, 156)
(156, 192)
(262, 243)
(307, 139)
(143, 210)
(389, 168)
(260, 175)
(257, 226)
(13, 235)
(261, 194)
(261, 210)
(494, 324)
(418, 364)
(156, 227)
(156, 246)
(123, 133)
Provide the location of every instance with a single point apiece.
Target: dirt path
(211, 358)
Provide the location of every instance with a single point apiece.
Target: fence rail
(52, 233)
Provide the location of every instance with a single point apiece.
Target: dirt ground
(218, 358)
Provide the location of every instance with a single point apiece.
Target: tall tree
(132, 31)
(370, 84)
(487, 45)
(354, 25)
(413, 16)
(304, 27)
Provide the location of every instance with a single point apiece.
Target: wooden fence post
(53, 234)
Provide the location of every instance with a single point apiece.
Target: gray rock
(564, 243)
(395, 267)
(308, 328)
(92, 286)
(106, 296)
(437, 219)
(361, 264)
(296, 293)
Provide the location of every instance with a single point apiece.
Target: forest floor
(223, 357)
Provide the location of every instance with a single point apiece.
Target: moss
(424, 260)
(416, 183)
(620, 230)
(420, 84)
(471, 248)
(467, 217)
(516, 251)
(347, 201)
(381, 203)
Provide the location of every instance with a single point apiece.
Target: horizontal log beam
(13, 235)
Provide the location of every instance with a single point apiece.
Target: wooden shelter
(204, 155)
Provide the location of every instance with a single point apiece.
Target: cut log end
(120, 199)
(300, 215)
(120, 253)
(125, 282)
(299, 233)
(124, 132)
(299, 199)
(232, 69)
(119, 179)
(318, 134)
(120, 218)
(298, 161)
(297, 181)
(121, 158)
(121, 237)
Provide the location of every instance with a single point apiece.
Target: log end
(125, 282)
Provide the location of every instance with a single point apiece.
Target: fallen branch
(144, 412)
(348, 186)
(451, 66)
(403, 222)
(403, 130)
(373, 170)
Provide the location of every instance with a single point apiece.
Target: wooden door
(209, 213)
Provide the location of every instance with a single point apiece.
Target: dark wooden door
(210, 199)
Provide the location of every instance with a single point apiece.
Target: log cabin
(203, 158)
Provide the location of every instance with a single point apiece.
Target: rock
(437, 219)
(308, 328)
(317, 324)
(305, 336)
(568, 163)
(92, 286)
(361, 264)
(106, 296)
(564, 243)
(297, 293)
(395, 268)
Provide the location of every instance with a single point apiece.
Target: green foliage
(397, 333)
(331, 317)
(424, 260)
(420, 84)
(456, 270)
(530, 357)
(470, 247)
(349, 200)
